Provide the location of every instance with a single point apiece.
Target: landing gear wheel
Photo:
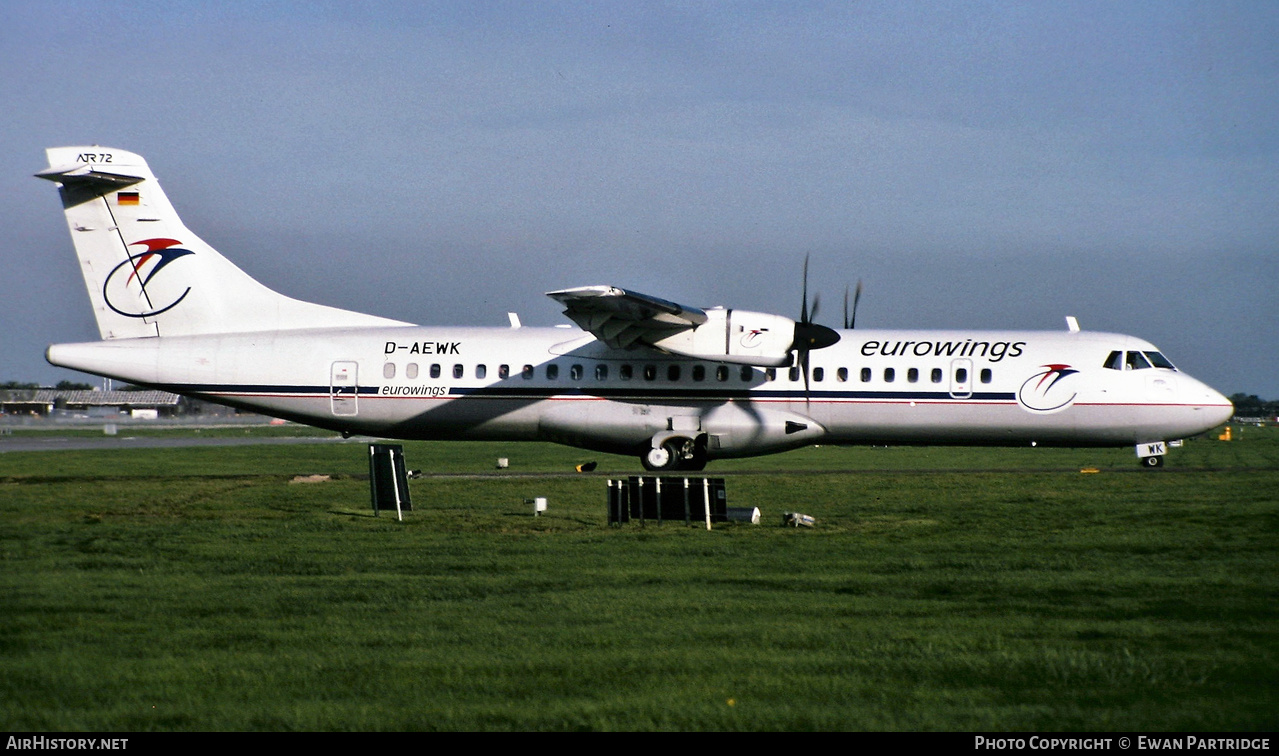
(662, 459)
(696, 464)
(1151, 463)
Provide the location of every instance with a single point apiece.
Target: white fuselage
(562, 385)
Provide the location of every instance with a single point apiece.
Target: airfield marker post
(687, 516)
(658, 497)
(706, 497)
(640, 496)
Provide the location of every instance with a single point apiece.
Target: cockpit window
(1136, 361)
(1160, 361)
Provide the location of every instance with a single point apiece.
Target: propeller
(850, 321)
(810, 335)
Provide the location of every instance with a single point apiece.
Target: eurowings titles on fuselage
(675, 385)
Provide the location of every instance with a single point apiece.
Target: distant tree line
(62, 386)
(1251, 405)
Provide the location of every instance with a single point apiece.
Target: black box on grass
(388, 478)
(646, 498)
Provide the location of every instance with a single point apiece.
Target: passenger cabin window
(935, 376)
(481, 371)
(841, 375)
(747, 372)
(552, 372)
(818, 374)
(793, 374)
(388, 370)
(458, 371)
(410, 370)
(699, 372)
(961, 375)
(650, 372)
(503, 372)
(912, 375)
(626, 372)
(865, 375)
(672, 373)
(575, 372)
(601, 372)
(889, 375)
(770, 374)
(721, 373)
(435, 370)
(527, 372)
(986, 375)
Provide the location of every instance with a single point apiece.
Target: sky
(975, 165)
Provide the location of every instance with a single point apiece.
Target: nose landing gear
(1151, 455)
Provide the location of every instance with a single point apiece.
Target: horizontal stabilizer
(89, 176)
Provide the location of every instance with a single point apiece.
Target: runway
(51, 442)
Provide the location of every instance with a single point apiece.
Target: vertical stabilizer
(147, 274)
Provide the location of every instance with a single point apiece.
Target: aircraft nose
(1223, 408)
(1216, 407)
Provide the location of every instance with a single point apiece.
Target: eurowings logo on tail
(131, 288)
(1045, 391)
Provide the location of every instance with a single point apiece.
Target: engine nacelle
(738, 336)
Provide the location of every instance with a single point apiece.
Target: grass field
(942, 589)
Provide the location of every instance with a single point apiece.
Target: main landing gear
(676, 453)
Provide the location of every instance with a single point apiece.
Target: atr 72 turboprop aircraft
(672, 384)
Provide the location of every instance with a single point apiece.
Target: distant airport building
(51, 402)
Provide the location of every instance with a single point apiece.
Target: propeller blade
(803, 363)
(803, 307)
(810, 335)
(857, 297)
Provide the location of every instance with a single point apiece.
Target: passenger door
(961, 378)
(344, 388)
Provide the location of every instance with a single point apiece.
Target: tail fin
(147, 274)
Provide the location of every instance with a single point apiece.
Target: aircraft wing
(620, 318)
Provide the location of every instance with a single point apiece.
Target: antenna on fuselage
(1072, 324)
